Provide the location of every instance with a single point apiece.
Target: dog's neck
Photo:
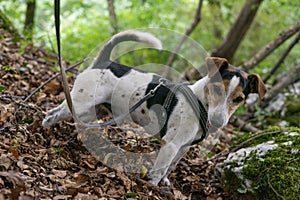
(199, 90)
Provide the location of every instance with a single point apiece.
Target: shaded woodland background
(259, 36)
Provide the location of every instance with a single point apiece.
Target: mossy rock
(266, 167)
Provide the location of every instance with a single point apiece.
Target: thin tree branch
(271, 46)
(188, 32)
(53, 77)
(112, 17)
(282, 58)
(244, 126)
(274, 188)
(288, 79)
(223, 154)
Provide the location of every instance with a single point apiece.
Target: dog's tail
(130, 35)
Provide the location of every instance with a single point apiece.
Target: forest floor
(51, 163)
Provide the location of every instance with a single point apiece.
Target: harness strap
(196, 105)
(198, 108)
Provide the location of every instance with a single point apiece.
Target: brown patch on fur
(214, 64)
(257, 86)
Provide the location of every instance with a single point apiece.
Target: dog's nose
(217, 120)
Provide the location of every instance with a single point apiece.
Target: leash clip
(162, 81)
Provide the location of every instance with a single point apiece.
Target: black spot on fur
(117, 69)
(159, 99)
(227, 75)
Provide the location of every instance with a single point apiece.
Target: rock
(267, 167)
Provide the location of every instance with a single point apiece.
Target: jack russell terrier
(221, 92)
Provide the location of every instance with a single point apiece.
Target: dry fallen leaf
(59, 173)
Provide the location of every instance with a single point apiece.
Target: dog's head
(227, 89)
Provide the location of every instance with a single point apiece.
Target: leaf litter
(51, 163)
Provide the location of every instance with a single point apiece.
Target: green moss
(276, 175)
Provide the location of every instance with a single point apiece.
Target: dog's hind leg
(59, 113)
(89, 90)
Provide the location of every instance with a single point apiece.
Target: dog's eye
(238, 99)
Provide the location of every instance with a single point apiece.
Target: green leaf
(2, 88)
(242, 190)
(130, 195)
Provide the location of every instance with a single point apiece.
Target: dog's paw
(166, 181)
(48, 121)
(154, 182)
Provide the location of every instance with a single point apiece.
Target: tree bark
(29, 19)
(197, 19)
(112, 17)
(238, 30)
(271, 46)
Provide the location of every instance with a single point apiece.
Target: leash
(197, 106)
(119, 118)
(62, 69)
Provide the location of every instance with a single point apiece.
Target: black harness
(183, 88)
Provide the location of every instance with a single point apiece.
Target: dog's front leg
(182, 151)
(177, 144)
(163, 162)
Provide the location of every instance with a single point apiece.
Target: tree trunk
(112, 17)
(238, 30)
(29, 19)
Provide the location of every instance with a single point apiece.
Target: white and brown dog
(221, 91)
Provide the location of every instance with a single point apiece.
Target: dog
(221, 92)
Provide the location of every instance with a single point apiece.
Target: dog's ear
(215, 64)
(256, 85)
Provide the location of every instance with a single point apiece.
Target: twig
(282, 58)
(39, 61)
(47, 81)
(223, 154)
(172, 57)
(53, 77)
(253, 138)
(274, 188)
(237, 122)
